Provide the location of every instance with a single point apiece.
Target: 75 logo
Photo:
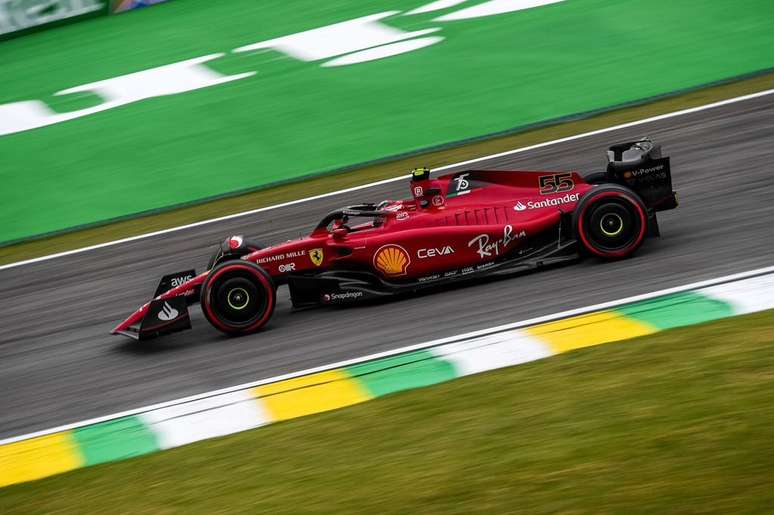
(556, 183)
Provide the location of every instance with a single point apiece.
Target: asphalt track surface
(58, 364)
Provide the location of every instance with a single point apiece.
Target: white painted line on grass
(387, 181)
(401, 350)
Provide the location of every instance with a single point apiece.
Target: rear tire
(611, 222)
(238, 297)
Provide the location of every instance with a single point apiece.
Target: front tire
(611, 221)
(238, 297)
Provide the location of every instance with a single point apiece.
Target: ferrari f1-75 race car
(459, 226)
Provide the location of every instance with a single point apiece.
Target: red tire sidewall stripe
(618, 253)
(263, 280)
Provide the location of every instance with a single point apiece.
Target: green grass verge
(677, 422)
(366, 174)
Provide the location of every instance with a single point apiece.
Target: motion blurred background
(120, 117)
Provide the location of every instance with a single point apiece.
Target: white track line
(401, 350)
(399, 178)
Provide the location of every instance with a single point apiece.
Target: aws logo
(392, 260)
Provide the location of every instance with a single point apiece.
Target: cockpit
(337, 222)
(427, 194)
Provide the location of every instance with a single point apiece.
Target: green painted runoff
(301, 108)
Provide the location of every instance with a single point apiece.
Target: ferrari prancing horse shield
(316, 255)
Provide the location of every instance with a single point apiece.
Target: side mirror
(339, 233)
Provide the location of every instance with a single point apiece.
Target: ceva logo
(434, 252)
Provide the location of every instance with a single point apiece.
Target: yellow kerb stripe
(310, 394)
(587, 330)
(38, 457)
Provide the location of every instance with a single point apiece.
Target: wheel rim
(613, 225)
(237, 300)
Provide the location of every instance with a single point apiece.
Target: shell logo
(392, 260)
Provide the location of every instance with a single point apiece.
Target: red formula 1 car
(459, 226)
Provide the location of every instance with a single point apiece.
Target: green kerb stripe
(115, 440)
(404, 372)
(677, 310)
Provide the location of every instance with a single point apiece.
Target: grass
(677, 422)
(363, 175)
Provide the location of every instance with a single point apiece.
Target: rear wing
(640, 166)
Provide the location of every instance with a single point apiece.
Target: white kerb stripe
(399, 178)
(747, 296)
(492, 351)
(205, 418)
